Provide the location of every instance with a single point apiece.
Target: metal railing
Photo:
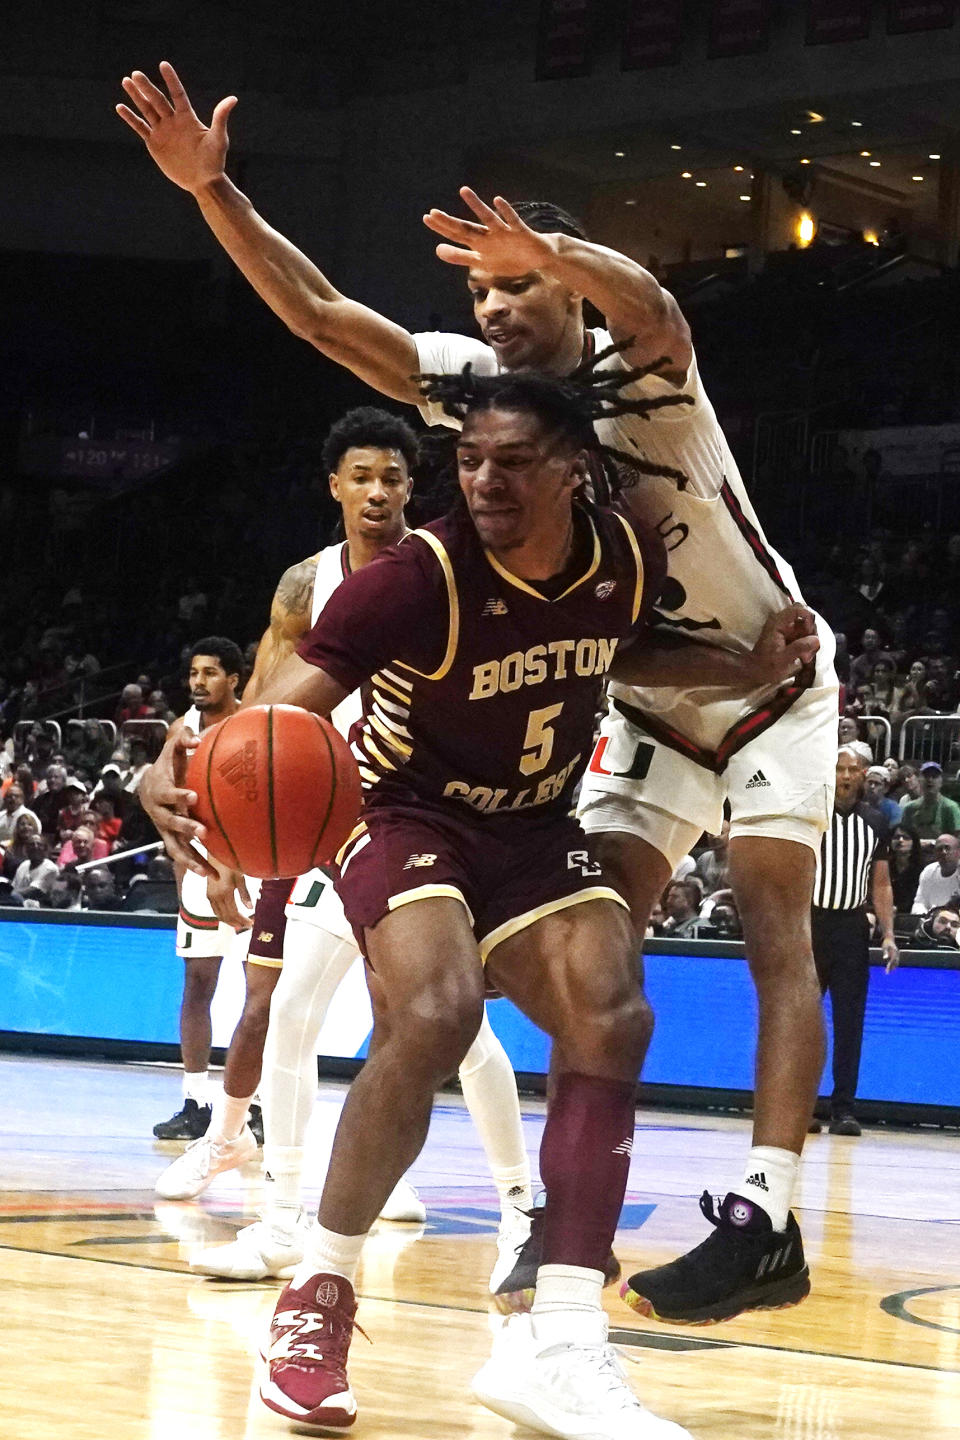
(931, 737)
(880, 743)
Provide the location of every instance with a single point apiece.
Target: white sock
(769, 1181)
(328, 1253)
(567, 1305)
(283, 1167)
(490, 1091)
(229, 1116)
(196, 1086)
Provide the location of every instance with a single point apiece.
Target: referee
(853, 862)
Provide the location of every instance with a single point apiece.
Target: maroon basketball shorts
(270, 924)
(507, 872)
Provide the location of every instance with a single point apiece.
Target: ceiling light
(857, 123)
(629, 202)
(804, 162)
(814, 118)
(796, 132)
(916, 177)
(806, 229)
(871, 237)
(866, 154)
(676, 147)
(685, 175)
(744, 197)
(935, 156)
(874, 164)
(618, 154)
(738, 169)
(701, 184)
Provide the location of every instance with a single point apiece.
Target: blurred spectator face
(947, 853)
(83, 843)
(132, 697)
(725, 919)
(91, 728)
(883, 673)
(145, 684)
(76, 798)
(850, 775)
(13, 799)
(25, 826)
(64, 892)
(89, 817)
(138, 753)
(160, 868)
(847, 731)
(56, 775)
(917, 673)
(934, 695)
(902, 842)
(931, 780)
(875, 784)
(24, 778)
(945, 925)
(103, 807)
(910, 779)
(938, 670)
(933, 644)
(871, 641)
(35, 847)
(679, 902)
(111, 782)
(893, 771)
(841, 640)
(98, 886)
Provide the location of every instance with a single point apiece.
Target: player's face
(372, 486)
(849, 777)
(517, 478)
(527, 319)
(210, 685)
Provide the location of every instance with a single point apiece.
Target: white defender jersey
(333, 566)
(724, 580)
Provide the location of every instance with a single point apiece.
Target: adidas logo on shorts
(759, 1180)
(758, 781)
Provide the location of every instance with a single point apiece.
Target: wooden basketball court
(106, 1332)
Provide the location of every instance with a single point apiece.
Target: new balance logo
(758, 781)
(760, 1180)
(265, 936)
(416, 861)
(495, 607)
(625, 1147)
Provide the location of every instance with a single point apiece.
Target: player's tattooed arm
(193, 156)
(636, 307)
(786, 644)
(290, 615)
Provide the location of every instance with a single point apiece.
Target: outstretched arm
(193, 155)
(636, 307)
(786, 644)
(289, 622)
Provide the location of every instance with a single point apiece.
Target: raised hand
(188, 152)
(497, 241)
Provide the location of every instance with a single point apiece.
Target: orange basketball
(277, 790)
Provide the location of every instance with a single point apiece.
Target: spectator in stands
(65, 891)
(75, 793)
(842, 658)
(99, 890)
(883, 686)
(711, 868)
(81, 847)
(939, 883)
(892, 767)
(159, 705)
(155, 891)
(933, 813)
(139, 764)
(12, 808)
(15, 852)
(916, 675)
(131, 706)
(848, 730)
(37, 873)
(108, 822)
(861, 667)
(88, 748)
(875, 786)
(940, 929)
(110, 786)
(870, 584)
(725, 920)
(49, 801)
(22, 776)
(906, 863)
(681, 908)
(908, 785)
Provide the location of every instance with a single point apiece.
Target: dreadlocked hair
(571, 406)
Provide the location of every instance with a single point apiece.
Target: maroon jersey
(483, 690)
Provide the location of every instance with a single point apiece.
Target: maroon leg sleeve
(584, 1161)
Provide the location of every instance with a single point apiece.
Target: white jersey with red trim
(333, 566)
(723, 580)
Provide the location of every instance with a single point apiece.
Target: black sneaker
(255, 1123)
(845, 1125)
(516, 1291)
(744, 1265)
(188, 1124)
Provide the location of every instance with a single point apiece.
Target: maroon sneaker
(306, 1357)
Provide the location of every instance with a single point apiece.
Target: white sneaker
(258, 1253)
(513, 1234)
(405, 1205)
(577, 1392)
(191, 1172)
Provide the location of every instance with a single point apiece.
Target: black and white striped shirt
(856, 839)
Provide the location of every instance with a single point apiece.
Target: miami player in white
(666, 764)
(368, 456)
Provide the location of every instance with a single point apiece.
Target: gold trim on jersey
(387, 707)
(262, 960)
(430, 892)
(377, 754)
(453, 602)
(489, 942)
(638, 557)
(406, 685)
(390, 734)
(358, 831)
(537, 594)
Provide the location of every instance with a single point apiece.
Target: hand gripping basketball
(278, 791)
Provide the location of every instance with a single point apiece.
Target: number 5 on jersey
(538, 741)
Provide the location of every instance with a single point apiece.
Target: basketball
(277, 790)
